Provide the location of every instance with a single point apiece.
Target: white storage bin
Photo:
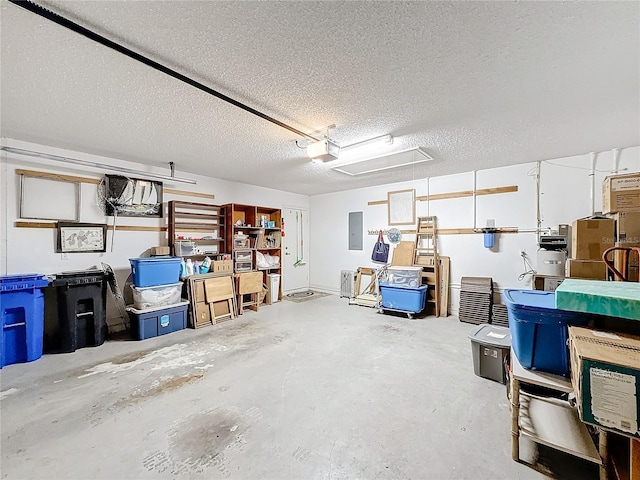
(158, 296)
(243, 256)
(185, 248)
(404, 276)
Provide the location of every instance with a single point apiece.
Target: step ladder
(426, 242)
(426, 256)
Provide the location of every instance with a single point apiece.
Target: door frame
(305, 241)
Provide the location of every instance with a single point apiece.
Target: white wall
(33, 249)
(565, 186)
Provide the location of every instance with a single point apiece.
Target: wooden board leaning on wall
(460, 194)
(96, 181)
(450, 231)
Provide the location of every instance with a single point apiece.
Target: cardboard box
(618, 255)
(634, 274)
(605, 373)
(632, 262)
(627, 228)
(621, 193)
(222, 266)
(590, 237)
(159, 251)
(592, 269)
(547, 283)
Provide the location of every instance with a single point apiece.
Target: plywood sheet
(444, 286)
(403, 254)
(217, 289)
(202, 315)
(250, 282)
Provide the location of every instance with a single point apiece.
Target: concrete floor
(318, 389)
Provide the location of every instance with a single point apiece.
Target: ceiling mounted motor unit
(323, 151)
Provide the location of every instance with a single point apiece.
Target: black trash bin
(81, 298)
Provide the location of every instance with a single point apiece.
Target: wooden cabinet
(196, 230)
(254, 239)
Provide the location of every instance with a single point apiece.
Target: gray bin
(490, 345)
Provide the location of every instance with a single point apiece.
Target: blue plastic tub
(539, 330)
(22, 308)
(153, 322)
(409, 299)
(151, 272)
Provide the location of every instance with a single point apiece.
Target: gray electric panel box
(355, 230)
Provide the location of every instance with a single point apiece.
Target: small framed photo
(81, 237)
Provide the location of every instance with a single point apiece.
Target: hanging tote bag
(380, 250)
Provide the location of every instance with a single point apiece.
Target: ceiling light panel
(403, 158)
(366, 148)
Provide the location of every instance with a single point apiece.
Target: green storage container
(615, 299)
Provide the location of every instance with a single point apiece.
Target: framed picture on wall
(132, 197)
(81, 237)
(401, 207)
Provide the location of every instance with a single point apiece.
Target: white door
(295, 246)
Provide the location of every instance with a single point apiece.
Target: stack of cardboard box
(590, 237)
(621, 202)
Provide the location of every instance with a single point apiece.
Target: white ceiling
(476, 84)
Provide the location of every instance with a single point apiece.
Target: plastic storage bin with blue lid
(408, 299)
(151, 272)
(539, 330)
(22, 309)
(152, 322)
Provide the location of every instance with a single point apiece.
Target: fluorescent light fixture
(86, 163)
(364, 148)
(403, 158)
(372, 142)
(323, 151)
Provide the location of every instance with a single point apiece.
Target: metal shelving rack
(549, 421)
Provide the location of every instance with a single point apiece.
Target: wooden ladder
(426, 241)
(426, 256)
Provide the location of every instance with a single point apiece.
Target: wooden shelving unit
(253, 231)
(269, 240)
(196, 230)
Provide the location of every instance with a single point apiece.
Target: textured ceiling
(477, 84)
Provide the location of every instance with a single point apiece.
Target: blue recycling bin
(22, 308)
